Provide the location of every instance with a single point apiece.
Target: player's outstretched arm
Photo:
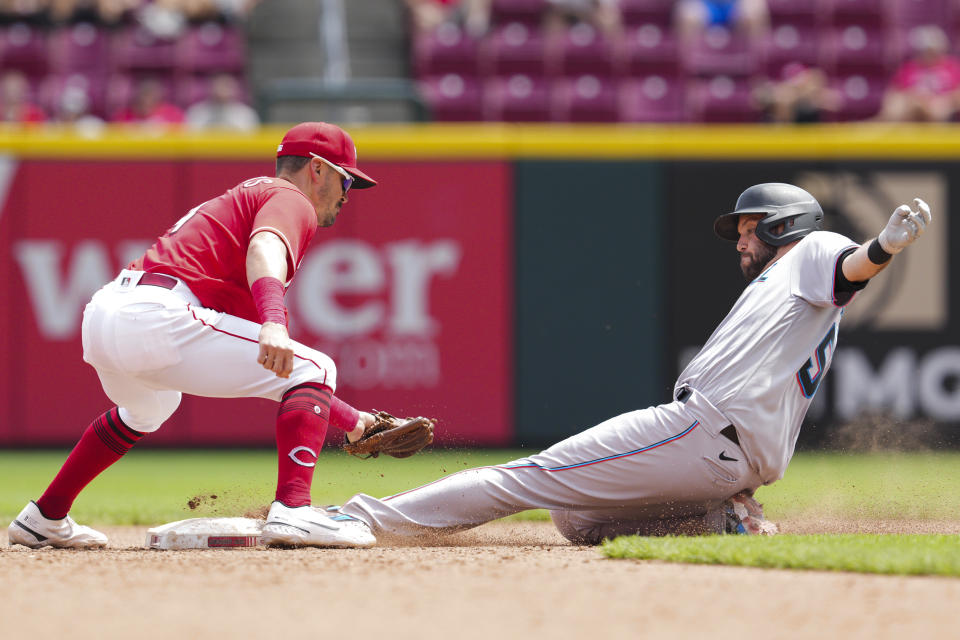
(905, 225)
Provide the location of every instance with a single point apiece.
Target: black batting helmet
(799, 212)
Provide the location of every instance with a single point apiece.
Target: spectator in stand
(604, 15)
(15, 103)
(925, 88)
(801, 95)
(748, 16)
(223, 109)
(473, 15)
(150, 107)
(73, 109)
(35, 12)
(105, 12)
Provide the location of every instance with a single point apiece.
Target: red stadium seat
(453, 97)
(514, 48)
(862, 96)
(905, 14)
(79, 47)
(721, 51)
(856, 48)
(584, 99)
(134, 48)
(517, 98)
(211, 47)
(796, 12)
(637, 12)
(650, 48)
(23, 47)
(446, 49)
(653, 98)
(584, 50)
(863, 12)
(528, 12)
(788, 43)
(721, 99)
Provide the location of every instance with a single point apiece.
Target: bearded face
(755, 259)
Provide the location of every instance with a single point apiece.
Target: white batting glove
(905, 226)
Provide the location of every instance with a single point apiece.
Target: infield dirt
(514, 580)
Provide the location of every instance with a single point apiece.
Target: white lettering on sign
(859, 388)
(346, 287)
(903, 383)
(58, 300)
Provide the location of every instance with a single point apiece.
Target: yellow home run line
(504, 141)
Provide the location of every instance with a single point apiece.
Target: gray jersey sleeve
(813, 271)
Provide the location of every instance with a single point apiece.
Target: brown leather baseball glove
(397, 437)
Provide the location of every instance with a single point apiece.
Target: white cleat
(741, 514)
(32, 529)
(311, 527)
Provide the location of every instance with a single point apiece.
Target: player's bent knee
(149, 416)
(574, 528)
(314, 366)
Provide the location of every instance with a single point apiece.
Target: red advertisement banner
(410, 293)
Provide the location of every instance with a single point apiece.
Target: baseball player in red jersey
(202, 312)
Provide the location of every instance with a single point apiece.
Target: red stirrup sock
(103, 443)
(301, 425)
(342, 415)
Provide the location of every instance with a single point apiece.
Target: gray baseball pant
(640, 472)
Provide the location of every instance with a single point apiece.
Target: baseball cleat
(311, 527)
(742, 515)
(32, 529)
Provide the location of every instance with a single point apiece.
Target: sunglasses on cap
(347, 178)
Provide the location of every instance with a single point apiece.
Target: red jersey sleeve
(289, 215)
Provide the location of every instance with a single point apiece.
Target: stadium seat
(134, 48)
(514, 48)
(721, 51)
(650, 48)
(790, 42)
(584, 51)
(528, 12)
(81, 47)
(453, 97)
(638, 12)
(863, 12)
(796, 12)
(721, 99)
(446, 49)
(862, 97)
(517, 98)
(854, 49)
(906, 14)
(653, 98)
(584, 99)
(23, 47)
(210, 47)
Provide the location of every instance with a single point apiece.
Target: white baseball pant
(150, 344)
(629, 474)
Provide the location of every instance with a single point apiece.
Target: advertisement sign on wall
(409, 293)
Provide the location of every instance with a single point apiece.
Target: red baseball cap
(328, 141)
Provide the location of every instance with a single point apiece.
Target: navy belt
(729, 432)
(158, 280)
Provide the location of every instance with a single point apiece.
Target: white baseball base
(206, 533)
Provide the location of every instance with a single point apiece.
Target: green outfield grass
(888, 554)
(150, 487)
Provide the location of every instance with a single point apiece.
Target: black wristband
(876, 254)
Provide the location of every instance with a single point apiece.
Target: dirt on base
(515, 580)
